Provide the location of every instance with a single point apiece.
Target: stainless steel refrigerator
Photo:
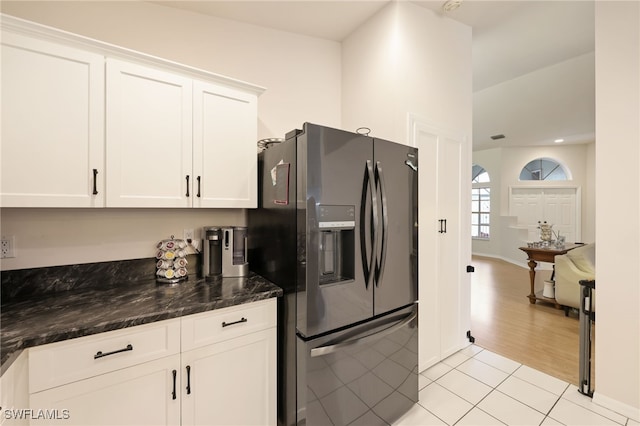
(337, 229)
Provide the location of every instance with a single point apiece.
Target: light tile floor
(477, 387)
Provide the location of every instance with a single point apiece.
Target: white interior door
(560, 210)
(559, 206)
(449, 254)
(526, 205)
(443, 289)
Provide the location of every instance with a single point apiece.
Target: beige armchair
(577, 264)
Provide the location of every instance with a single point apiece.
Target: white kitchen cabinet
(225, 374)
(52, 141)
(14, 392)
(231, 381)
(225, 129)
(149, 137)
(118, 377)
(177, 142)
(138, 395)
(173, 135)
(68, 361)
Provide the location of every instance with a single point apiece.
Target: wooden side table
(544, 254)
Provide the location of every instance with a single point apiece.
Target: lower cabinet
(138, 395)
(226, 374)
(14, 391)
(232, 382)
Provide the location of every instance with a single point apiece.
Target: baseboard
(506, 259)
(619, 407)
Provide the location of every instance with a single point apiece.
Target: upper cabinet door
(149, 138)
(225, 157)
(52, 145)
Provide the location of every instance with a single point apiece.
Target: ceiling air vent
(496, 137)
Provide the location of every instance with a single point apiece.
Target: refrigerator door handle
(358, 341)
(379, 270)
(368, 260)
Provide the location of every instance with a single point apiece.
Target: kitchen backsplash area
(28, 283)
(46, 237)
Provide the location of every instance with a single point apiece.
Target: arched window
(543, 169)
(480, 203)
(479, 174)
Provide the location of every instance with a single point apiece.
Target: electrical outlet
(8, 246)
(188, 235)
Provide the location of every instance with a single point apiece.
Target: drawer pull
(173, 394)
(227, 324)
(188, 379)
(101, 354)
(95, 181)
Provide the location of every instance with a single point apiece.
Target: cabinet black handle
(187, 185)
(101, 354)
(227, 324)
(188, 379)
(198, 194)
(445, 226)
(95, 181)
(173, 394)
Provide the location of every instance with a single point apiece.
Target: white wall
(302, 76)
(491, 160)
(49, 237)
(617, 352)
(407, 59)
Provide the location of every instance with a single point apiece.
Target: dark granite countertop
(82, 312)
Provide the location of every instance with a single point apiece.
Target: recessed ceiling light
(451, 5)
(559, 140)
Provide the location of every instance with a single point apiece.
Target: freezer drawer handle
(227, 324)
(101, 354)
(325, 350)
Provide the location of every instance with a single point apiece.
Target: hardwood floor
(503, 321)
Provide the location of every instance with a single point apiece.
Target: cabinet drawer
(64, 362)
(222, 324)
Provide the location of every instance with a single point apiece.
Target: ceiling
(533, 61)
